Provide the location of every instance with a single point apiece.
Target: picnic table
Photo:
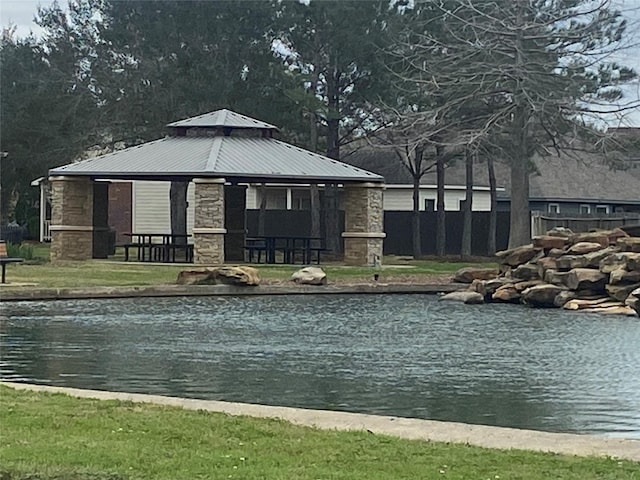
(284, 248)
(159, 247)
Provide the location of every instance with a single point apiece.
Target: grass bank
(53, 436)
(116, 272)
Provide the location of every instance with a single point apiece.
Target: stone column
(235, 207)
(71, 218)
(363, 223)
(208, 228)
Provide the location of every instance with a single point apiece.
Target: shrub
(20, 250)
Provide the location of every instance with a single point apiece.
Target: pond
(403, 355)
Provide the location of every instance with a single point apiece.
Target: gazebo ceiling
(236, 158)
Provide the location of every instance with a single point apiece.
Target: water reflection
(406, 355)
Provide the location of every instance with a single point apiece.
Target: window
(585, 209)
(602, 209)
(553, 208)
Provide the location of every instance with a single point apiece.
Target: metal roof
(244, 159)
(222, 118)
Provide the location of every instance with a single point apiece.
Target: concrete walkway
(410, 428)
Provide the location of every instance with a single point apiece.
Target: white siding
(402, 199)
(252, 197)
(151, 211)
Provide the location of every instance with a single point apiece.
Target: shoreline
(409, 428)
(17, 294)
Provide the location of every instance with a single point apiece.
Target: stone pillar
(71, 218)
(235, 207)
(208, 228)
(363, 219)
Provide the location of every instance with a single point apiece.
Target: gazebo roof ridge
(223, 118)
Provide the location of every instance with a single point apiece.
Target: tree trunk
(262, 213)
(314, 192)
(415, 216)
(178, 209)
(465, 249)
(441, 233)
(520, 219)
(331, 211)
(493, 214)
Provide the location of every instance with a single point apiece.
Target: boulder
(633, 300)
(517, 256)
(580, 303)
(555, 277)
(614, 309)
(581, 248)
(621, 276)
(526, 271)
(469, 274)
(629, 244)
(487, 288)
(629, 261)
(541, 296)
(196, 277)
(591, 237)
(520, 286)
(621, 292)
(544, 264)
(467, 297)
(555, 253)
(237, 275)
(310, 276)
(547, 242)
(560, 232)
(586, 279)
(569, 262)
(563, 297)
(593, 258)
(506, 294)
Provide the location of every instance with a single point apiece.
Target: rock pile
(595, 272)
(227, 275)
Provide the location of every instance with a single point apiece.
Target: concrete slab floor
(410, 428)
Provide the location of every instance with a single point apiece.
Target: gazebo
(220, 152)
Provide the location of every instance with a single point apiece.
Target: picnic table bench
(158, 247)
(5, 260)
(287, 248)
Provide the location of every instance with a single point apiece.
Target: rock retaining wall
(594, 272)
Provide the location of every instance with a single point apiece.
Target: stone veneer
(208, 228)
(71, 218)
(363, 223)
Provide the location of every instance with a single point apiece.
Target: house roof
(222, 118)
(251, 159)
(246, 157)
(586, 177)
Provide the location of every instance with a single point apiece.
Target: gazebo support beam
(364, 215)
(208, 229)
(71, 218)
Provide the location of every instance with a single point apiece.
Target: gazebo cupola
(221, 123)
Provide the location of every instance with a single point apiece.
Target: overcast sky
(21, 13)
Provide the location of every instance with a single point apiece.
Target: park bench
(5, 260)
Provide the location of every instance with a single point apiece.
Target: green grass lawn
(116, 272)
(53, 436)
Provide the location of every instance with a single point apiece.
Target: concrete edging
(21, 294)
(409, 428)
